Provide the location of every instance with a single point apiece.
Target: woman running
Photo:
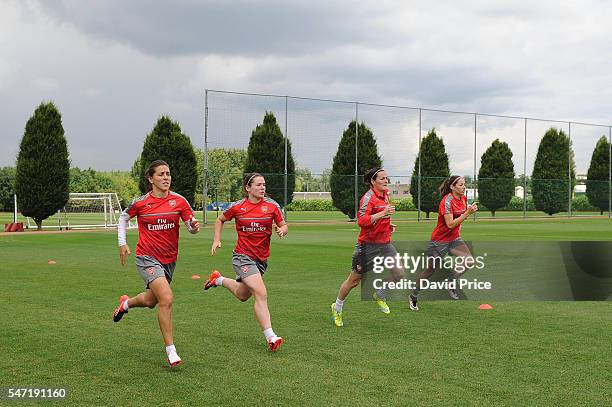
(159, 212)
(445, 238)
(374, 219)
(255, 216)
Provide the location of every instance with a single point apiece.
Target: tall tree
(434, 169)
(43, 168)
(342, 179)
(136, 170)
(266, 155)
(496, 176)
(7, 188)
(598, 176)
(550, 188)
(167, 142)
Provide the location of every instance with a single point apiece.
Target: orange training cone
(485, 306)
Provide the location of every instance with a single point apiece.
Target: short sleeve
(186, 211)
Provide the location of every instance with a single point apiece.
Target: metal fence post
(286, 142)
(419, 174)
(525, 173)
(569, 170)
(474, 179)
(356, 159)
(205, 174)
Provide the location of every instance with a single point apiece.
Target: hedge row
(579, 203)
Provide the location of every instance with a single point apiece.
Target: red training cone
(485, 306)
(195, 277)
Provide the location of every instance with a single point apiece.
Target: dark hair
(445, 187)
(248, 180)
(151, 171)
(371, 175)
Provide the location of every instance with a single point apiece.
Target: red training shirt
(254, 226)
(370, 204)
(449, 205)
(158, 224)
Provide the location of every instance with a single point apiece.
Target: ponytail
(445, 187)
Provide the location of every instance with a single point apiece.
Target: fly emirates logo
(254, 227)
(162, 224)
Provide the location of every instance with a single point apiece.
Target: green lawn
(53, 222)
(57, 329)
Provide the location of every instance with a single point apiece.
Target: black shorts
(364, 254)
(441, 249)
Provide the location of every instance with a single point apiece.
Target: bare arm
(217, 236)
(453, 223)
(281, 229)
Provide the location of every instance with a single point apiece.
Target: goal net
(87, 211)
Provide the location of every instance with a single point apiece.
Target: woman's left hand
(281, 231)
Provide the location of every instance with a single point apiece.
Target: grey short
(441, 249)
(363, 256)
(245, 266)
(150, 268)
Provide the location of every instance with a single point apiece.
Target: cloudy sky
(113, 67)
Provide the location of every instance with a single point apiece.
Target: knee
(244, 297)
(165, 300)
(260, 295)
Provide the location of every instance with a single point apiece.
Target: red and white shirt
(254, 226)
(379, 232)
(449, 205)
(158, 224)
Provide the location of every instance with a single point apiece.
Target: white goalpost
(87, 211)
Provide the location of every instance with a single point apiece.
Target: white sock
(125, 305)
(170, 349)
(381, 294)
(269, 334)
(219, 281)
(338, 305)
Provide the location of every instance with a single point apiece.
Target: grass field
(57, 329)
(53, 222)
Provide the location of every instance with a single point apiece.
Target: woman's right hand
(472, 208)
(216, 244)
(389, 210)
(123, 252)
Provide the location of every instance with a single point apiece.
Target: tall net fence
(314, 129)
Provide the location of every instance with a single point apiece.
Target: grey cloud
(248, 28)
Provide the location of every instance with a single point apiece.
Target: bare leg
(257, 288)
(423, 276)
(347, 285)
(239, 290)
(464, 252)
(144, 299)
(163, 293)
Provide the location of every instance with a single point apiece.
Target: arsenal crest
(172, 203)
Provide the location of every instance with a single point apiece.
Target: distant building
(298, 196)
(399, 191)
(519, 191)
